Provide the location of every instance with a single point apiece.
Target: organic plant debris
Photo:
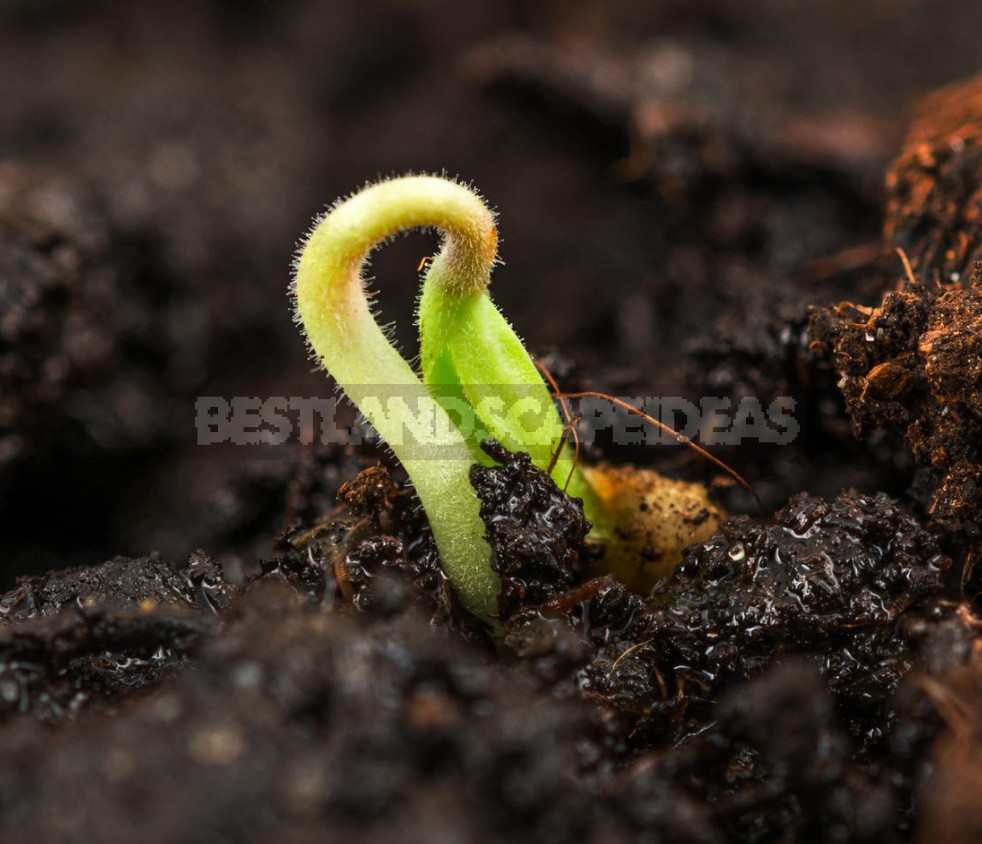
(913, 363)
(695, 199)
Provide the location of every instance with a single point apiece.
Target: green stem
(333, 307)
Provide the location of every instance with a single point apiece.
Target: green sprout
(333, 306)
(478, 380)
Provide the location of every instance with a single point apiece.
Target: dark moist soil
(696, 199)
(912, 362)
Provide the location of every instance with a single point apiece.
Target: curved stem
(333, 307)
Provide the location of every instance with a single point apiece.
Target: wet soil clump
(912, 364)
(536, 532)
(80, 640)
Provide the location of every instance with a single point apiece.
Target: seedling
(478, 380)
(333, 306)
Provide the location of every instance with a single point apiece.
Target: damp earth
(696, 199)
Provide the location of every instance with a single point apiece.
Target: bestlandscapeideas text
(244, 420)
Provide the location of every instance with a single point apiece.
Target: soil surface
(696, 199)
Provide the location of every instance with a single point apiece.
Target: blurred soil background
(677, 182)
